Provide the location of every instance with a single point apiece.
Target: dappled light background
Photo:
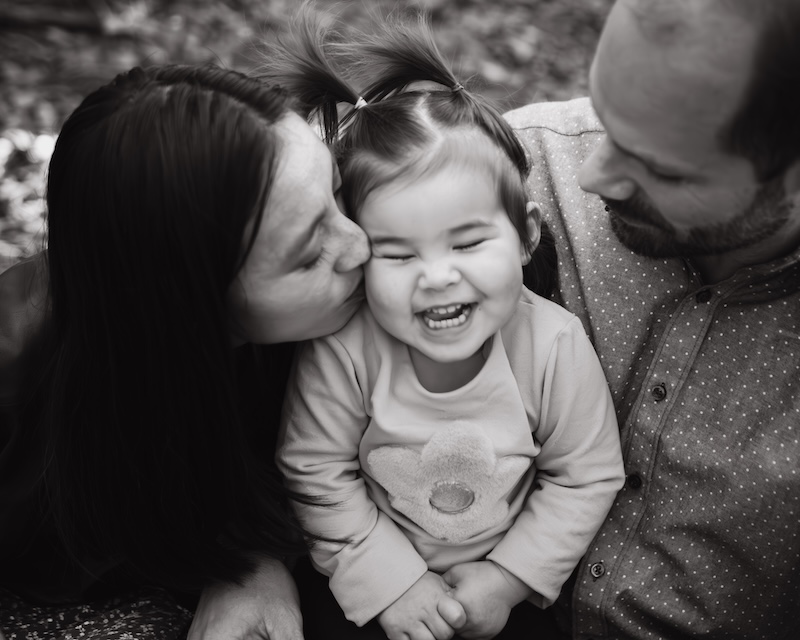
(54, 52)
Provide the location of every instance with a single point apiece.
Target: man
(686, 273)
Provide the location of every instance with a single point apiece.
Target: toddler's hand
(424, 612)
(487, 592)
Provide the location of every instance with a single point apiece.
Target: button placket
(673, 358)
(673, 355)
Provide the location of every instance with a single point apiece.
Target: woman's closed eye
(315, 257)
(314, 261)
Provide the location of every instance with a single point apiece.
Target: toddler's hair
(412, 118)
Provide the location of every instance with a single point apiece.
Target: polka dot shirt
(704, 539)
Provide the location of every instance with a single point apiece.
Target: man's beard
(763, 217)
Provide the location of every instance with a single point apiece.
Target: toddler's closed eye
(468, 245)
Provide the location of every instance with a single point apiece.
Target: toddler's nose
(439, 275)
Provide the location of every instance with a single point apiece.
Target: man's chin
(648, 242)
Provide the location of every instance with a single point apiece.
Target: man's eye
(665, 177)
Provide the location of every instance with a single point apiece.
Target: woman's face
(302, 278)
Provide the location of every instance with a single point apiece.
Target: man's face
(669, 187)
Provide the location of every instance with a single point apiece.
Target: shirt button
(703, 296)
(659, 392)
(634, 481)
(597, 569)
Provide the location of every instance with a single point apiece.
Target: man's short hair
(765, 128)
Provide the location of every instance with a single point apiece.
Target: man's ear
(533, 226)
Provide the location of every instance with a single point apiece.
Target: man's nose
(604, 173)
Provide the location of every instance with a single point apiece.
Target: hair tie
(457, 87)
(360, 103)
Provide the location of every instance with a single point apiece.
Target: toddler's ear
(533, 224)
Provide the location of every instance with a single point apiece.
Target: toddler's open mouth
(453, 315)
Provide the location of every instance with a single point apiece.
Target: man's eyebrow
(648, 161)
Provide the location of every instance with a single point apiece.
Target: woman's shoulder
(23, 303)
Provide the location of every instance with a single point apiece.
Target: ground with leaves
(53, 52)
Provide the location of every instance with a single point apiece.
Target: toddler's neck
(441, 377)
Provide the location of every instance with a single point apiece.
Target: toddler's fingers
(439, 628)
(452, 612)
(453, 576)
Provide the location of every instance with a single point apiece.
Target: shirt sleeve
(578, 471)
(370, 561)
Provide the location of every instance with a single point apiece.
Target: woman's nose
(352, 246)
(439, 275)
(604, 173)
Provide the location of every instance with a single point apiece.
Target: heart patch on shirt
(455, 487)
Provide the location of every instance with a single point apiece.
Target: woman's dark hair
(412, 117)
(152, 184)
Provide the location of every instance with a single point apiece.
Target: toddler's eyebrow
(387, 240)
(469, 226)
(462, 228)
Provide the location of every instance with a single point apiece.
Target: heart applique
(455, 487)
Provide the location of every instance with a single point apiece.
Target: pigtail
(401, 53)
(300, 62)
(397, 54)
(499, 130)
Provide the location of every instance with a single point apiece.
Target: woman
(190, 211)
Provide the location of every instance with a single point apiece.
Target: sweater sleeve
(370, 561)
(578, 471)
(23, 294)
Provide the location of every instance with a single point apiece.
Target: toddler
(458, 432)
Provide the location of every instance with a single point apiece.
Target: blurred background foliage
(54, 52)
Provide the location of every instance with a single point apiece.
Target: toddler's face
(446, 266)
